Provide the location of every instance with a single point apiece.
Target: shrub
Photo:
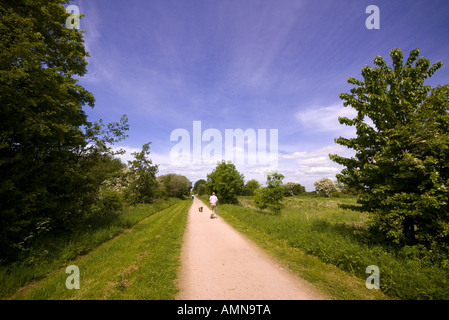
(325, 187)
(271, 196)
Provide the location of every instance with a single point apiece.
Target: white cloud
(310, 166)
(302, 167)
(325, 119)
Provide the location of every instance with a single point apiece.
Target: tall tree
(44, 131)
(401, 165)
(226, 182)
(143, 186)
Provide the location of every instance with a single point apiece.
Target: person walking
(213, 205)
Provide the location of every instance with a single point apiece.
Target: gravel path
(219, 263)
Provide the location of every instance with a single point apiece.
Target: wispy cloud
(325, 119)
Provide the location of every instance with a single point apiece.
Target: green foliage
(46, 155)
(197, 187)
(323, 228)
(175, 185)
(293, 189)
(251, 187)
(108, 202)
(325, 187)
(55, 251)
(203, 189)
(401, 164)
(272, 195)
(143, 185)
(226, 182)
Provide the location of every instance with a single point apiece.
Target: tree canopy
(226, 182)
(175, 185)
(48, 148)
(251, 187)
(401, 164)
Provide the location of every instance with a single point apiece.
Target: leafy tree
(196, 186)
(293, 189)
(203, 189)
(401, 165)
(226, 182)
(272, 195)
(143, 186)
(45, 159)
(251, 187)
(175, 185)
(325, 187)
(107, 173)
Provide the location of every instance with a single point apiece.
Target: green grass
(55, 252)
(140, 263)
(328, 246)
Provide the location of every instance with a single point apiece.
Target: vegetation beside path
(139, 263)
(326, 245)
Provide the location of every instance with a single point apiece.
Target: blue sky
(248, 64)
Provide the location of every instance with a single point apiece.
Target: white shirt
(213, 200)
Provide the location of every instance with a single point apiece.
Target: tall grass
(141, 263)
(322, 228)
(57, 250)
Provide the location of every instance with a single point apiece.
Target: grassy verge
(57, 251)
(141, 263)
(324, 244)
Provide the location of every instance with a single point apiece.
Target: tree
(203, 189)
(272, 195)
(400, 168)
(251, 187)
(293, 189)
(325, 187)
(197, 186)
(226, 182)
(44, 175)
(143, 186)
(175, 185)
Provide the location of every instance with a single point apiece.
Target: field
(312, 227)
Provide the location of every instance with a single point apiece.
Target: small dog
(200, 209)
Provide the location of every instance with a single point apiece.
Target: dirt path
(218, 263)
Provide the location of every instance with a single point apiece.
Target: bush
(293, 189)
(325, 187)
(251, 187)
(109, 202)
(271, 196)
